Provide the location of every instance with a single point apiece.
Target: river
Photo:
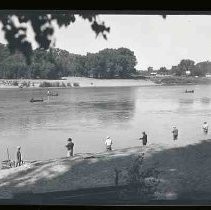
(88, 115)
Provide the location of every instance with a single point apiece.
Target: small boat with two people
(52, 93)
(189, 91)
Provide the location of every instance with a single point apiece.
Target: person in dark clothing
(144, 138)
(19, 157)
(175, 133)
(70, 146)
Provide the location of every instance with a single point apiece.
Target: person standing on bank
(175, 133)
(70, 146)
(144, 138)
(108, 143)
(205, 127)
(19, 159)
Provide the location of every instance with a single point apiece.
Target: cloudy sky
(156, 41)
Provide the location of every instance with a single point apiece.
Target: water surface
(88, 115)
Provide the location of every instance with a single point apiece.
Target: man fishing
(144, 138)
(19, 159)
(108, 143)
(175, 133)
(205, 127)
(70, 146)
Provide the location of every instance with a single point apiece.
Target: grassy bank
(184, 172)
(176, 80)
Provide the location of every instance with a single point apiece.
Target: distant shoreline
(72, 82)
(180, 80)
(80, 82)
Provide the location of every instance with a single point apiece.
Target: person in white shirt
(108, 143)
(205, 127)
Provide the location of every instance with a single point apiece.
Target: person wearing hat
(70, 146)
(108, 143)
(205, 127)
(175, 133)
(19, 156)
(144, 138)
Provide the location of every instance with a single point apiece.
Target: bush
(63, 84)
(49, 84)
(76, 84)
(45, 84)
(26, 84)
(69, 84)
(142, 182)
(55, 84)
(15, 83)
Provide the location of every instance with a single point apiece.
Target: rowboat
(36, 100)
(189, 91)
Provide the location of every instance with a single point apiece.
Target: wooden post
(8, 156)
(116, 177)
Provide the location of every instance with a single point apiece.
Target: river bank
(184, 171)
(68, 82)
(180, 80)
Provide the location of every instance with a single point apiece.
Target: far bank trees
(56, 63)
(187, 65)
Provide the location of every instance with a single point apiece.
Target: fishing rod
(8, 155)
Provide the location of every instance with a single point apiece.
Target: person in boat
(175, 133)
(205, 127)
(19, 158)
(144, 138)
(70, 146)
(108, 143)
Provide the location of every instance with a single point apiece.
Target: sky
(156, 42)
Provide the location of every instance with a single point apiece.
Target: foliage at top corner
(15, 29)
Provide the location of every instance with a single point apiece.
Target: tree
(163, 70)
(185, 65)
(150, 69)
(14, 26)
(110, 63)
(56, 63)
(202, 68)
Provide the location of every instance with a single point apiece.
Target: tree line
(186, 66)
(56, 63)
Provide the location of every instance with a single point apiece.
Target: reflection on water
(205, 100)
(88, 115)
(187, 101)
(115, 111)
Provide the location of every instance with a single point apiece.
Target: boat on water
(189, 91)
(36, 100)
(52, 94)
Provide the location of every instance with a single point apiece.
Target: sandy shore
(69, 82)
(184, 171)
